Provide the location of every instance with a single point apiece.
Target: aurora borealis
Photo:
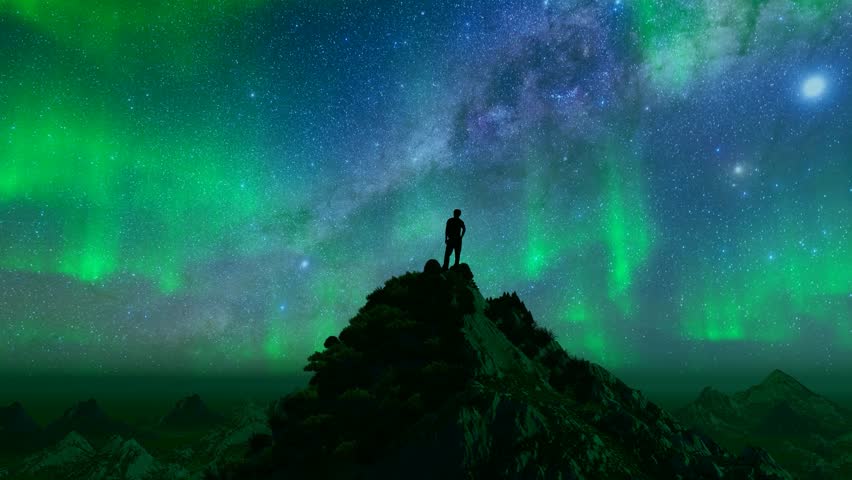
(216, 186)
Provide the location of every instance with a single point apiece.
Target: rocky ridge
(430, 379)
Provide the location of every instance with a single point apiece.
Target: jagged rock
(432, 267)
(463, 271)
(432, 380)
(233, 437)
(126, 459)
(190, 413)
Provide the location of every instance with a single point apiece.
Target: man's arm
(447, 231)
(464, 229)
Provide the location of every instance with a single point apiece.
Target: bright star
(738, 170)
(814, 86)
(305, 264)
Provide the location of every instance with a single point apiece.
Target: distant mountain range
(807, 433)
(73, 457)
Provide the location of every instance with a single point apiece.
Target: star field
(209, 187)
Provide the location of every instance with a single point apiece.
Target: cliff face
(430, 379)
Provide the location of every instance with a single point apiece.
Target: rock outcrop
(242, 434)
(431, 380)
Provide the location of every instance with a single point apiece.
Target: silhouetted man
(454, 233)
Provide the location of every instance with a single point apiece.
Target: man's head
(457, 213)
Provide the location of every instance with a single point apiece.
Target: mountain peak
(75, 440)
(712, 398)
(70, 449)
(190, 412)
(14, 419)
(779, 407)
(778, 377)
(709, 392)
(88, 419)
(86, 409)
(778, 384)
(432, 378)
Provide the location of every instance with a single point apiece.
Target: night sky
(215, 186)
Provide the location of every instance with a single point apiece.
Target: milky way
(212, 187)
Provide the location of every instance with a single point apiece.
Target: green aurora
(211, 186)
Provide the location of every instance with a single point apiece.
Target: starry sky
(209, 187)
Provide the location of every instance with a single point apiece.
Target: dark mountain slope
(87, 419)
(18, 431)
(808, 434)
(190, 413)
(431, 380)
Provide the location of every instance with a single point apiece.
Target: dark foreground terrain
(428, 380)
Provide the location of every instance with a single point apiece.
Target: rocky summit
(431, 380)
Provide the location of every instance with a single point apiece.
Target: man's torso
(454, 227)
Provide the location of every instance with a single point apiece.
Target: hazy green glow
(665, 38)
(339, 300)
(681, 40)
(275, 342)
(622, 225)
(107, 27)
(806, 273)
(598, 348)
(608, 215)
(221, 183)
(577, 312)
(542, 243)
(627, 229)
(582, 331)
(118, 202)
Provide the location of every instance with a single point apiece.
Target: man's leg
(447, 256)
(458, 251)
